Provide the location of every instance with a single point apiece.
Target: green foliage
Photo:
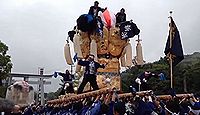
(158, 86)
(53, 95)
(188, 69)
(3, 91)
(5, 67)
(5, 61)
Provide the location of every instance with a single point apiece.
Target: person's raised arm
(82, 63)
(61, 74)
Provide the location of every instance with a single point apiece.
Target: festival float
(108, 42)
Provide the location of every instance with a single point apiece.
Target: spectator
(119, 108)
(16, 110)
(195, 105)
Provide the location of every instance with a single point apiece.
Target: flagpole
(170, 55)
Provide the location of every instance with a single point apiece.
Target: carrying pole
(170, 55)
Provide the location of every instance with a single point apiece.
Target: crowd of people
(113, 103)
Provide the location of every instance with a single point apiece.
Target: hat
(96, 2)
(123, 9)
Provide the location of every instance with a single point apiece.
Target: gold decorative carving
(110, 45)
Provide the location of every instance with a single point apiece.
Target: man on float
(91, 67)
(95, 9)
(121, 16)
(68, 83)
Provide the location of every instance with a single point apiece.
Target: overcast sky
(35, 30)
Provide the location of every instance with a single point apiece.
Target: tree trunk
(185, 83)
(1, 82)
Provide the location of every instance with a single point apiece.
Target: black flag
(176, 46)
(128, 29)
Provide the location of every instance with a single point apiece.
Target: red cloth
(108, 18)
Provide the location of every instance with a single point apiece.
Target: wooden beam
(29, 75)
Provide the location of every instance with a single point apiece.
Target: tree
(185, 75)
(158, 86)
(53, 95)
(5, 65)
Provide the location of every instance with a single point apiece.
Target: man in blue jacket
(91, 67)
(68, 84)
